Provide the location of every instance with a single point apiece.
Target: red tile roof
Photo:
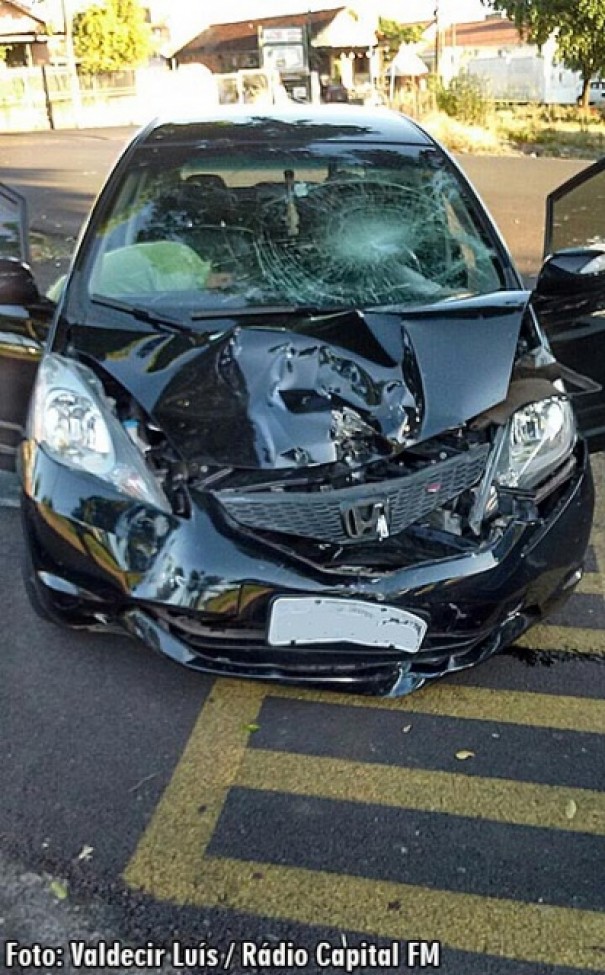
(20, 8)
(483, 33)
(243, 35)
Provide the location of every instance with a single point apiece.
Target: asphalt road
(141, 802)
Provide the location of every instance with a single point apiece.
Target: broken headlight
(540, 437)
(72, 419)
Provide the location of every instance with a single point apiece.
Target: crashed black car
(297, 417)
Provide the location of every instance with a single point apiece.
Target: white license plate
(325, 619)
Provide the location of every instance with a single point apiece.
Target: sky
(218, 11)
(408, 10)
(186, 18)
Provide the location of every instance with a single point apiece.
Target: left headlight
(540, 437)
(72, 419)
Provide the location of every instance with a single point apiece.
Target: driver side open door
(24, 320)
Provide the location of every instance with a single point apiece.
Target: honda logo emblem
(368, 519)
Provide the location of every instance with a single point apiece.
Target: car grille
(325, 515)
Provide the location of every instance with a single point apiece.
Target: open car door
(569, 298)
(24, 321)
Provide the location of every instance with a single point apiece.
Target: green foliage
(111, 36)
(465, 99)
(392, 34)
(578, 25)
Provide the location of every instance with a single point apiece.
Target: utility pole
(437, 39)
(70, 57)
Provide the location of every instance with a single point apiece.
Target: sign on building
(283, 49)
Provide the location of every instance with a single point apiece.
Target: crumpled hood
(297, 390)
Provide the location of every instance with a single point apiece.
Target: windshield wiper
(169, 324)
(143, 315)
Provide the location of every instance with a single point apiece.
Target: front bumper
(200, 592)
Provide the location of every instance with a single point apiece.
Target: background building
(512, 69)
(341, 43)
(24, 34)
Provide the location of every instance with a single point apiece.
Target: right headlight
(540, 437)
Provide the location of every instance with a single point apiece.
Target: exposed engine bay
(376, 496)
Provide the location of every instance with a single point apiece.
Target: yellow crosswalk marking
(501, 800)
(486, 704)
(171, 860)
(567, 639)
(185, 818)
(529, 932)
(591, 584)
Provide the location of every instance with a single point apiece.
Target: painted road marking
(591, 584)
(499, 800)
(430, 742)
(172, 863)
(563, 639)
(483, 703)
(454, 854)
(484, 925)
(168, 855)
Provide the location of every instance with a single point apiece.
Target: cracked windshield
(195, 231)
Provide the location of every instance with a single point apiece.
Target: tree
(111, 36)
(392, 35)
(578, 26)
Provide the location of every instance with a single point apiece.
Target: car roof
(297, 124)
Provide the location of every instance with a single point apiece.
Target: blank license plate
(323, 619)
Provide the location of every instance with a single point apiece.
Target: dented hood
(292, 390)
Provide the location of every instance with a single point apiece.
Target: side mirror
(17, 285)
(577, 272)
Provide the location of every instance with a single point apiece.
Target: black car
(297, 417)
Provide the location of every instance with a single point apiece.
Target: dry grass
(554, 130)
(546, 131)
(461, 137)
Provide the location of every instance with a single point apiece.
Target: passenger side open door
(569, 297)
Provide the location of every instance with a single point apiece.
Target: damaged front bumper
(200, 591)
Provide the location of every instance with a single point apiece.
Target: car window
(355, 226)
